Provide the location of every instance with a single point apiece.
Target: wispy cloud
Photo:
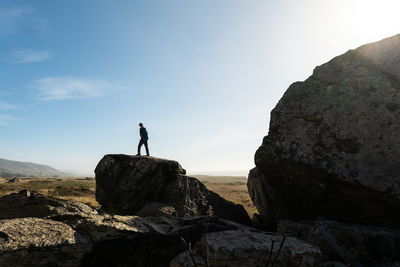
(60, 88)
(4, 119)
(41, 25)
(7, 106)
(10, 16)
(30, 55)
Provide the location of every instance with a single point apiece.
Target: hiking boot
(137, 155)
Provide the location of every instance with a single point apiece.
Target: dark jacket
(143, 134)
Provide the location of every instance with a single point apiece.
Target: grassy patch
(233, 188)
(80, 189)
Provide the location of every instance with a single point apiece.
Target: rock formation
(70, 234)
(244, 247)
(125, 184)
(333, 147)
(352, 245)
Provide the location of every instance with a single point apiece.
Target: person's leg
(139, 146)
(147, 148)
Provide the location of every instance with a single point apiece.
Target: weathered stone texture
(333, 145)
(125, 184)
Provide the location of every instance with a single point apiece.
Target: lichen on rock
(333, 144)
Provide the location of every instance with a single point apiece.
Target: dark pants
(141, 142)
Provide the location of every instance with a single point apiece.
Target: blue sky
(76, 77)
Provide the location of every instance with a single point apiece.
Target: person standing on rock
(143, 140)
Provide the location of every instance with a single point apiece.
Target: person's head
(141, 125)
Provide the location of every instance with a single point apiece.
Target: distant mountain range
(11, 168)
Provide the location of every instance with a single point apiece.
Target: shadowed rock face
(79, 237)
(333, 145)
(40, 242)
(353, 245)
(244, 247)
(125, 184)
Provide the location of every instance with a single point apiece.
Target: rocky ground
(38, 230)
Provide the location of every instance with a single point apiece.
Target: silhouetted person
(143, 140)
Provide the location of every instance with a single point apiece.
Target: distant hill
(11, 168)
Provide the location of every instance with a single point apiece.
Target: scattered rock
(82, 237)
(125, 184)
(27, 204)
(74, 234)
(13, 180)
(246, 247)
(333, 144)
(352, 245)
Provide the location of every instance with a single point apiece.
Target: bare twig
(270, 253)
(279, 251)
(188, 247)
(215, 259)
(204, 243)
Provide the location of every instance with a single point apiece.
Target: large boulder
(40, 242)
(246, 247)
(125, 184)
(151, 241)
(333, 147)
(352, 245)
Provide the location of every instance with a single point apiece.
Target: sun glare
(372, 19)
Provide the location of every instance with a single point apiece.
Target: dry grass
(82, 189)
(233, 188)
